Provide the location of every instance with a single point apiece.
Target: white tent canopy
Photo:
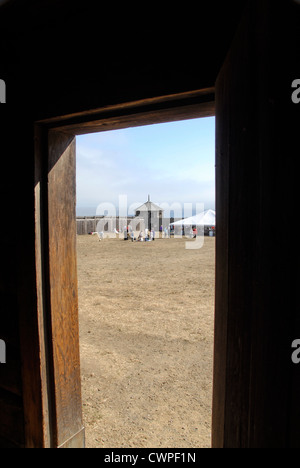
(207, 218)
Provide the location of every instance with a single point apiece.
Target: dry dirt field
(146, 337)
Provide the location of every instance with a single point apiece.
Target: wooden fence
(88, 224)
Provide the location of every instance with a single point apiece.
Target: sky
(173, 162)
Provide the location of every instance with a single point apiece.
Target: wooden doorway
(61, 424)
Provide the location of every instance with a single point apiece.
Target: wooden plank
(237, 207)
(255, 305)
(169, 101)
(27, 300)
(170, 108)
(42, 283)
(222, 259)
(63, 287)
(140, 118)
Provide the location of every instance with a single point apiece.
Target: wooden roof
(148, 206)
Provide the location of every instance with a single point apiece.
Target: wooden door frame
(56, 369)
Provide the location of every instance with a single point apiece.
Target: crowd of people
(149, 235)
(144, 236)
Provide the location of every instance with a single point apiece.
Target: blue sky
(173, 162)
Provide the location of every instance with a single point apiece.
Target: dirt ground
(146, 337)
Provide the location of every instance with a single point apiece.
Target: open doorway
(146, 308)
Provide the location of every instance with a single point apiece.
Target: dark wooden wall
(17, 282)
(257, 316)
(60, 57)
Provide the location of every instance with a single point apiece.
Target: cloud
(147, 160)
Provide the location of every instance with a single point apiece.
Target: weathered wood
(222, 259)
(29, 337)
(254, 402)
(175, 101)
(42, 285)
(180, 106)
(63, 288)
(237, 190)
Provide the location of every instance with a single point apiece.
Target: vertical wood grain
(63, 287)
(255, 385)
